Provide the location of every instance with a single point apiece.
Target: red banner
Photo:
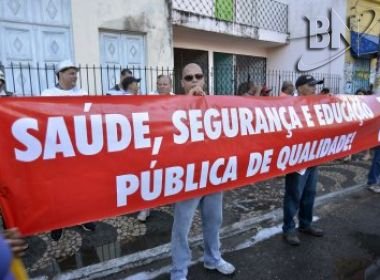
(68, 160)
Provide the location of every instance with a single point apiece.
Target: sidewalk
(146, 242)
(349, 250)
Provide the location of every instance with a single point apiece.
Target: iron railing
(28, 80)
(31, 80)
(227, 79)
(267, 14)
(275, 78)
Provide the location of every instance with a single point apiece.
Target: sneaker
(313, 231)
(89, 226)
(223, 267)
(347, 158)
(143, 215)
(56, 234)
(374, 188)
(291, 238)
(367, 157)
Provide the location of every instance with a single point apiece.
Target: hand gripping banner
(69, 160)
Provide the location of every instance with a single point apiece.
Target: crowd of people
(300, 186)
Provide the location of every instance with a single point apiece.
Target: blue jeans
(299, 196)
(211, 213)
(374, 172)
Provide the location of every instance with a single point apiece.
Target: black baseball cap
(129, 80)
(126, 71)
(307, 79)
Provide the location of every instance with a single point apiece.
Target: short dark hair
(124, 71)
(244, 88)
(286, 85)
(325, 90)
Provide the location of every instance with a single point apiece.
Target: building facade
(101, 36)
(235, 41)
(230, 39)
(304, 53)
(255, 41)
(364, 35)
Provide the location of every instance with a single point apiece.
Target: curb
(148, 256)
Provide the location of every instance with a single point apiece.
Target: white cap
(65, 64)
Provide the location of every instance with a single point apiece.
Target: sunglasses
(189, 78)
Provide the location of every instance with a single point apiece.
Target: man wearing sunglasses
(193, 80)
(300, 187)
(210, 206)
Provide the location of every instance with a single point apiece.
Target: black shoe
(291, 238)
(56, 234)
(89, 226)
(313, 231)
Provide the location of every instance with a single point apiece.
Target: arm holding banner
(12, 244)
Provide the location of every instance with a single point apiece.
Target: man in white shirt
(67, 74)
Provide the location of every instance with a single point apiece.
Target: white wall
(209, 41)
(143, 17)
(286, 57)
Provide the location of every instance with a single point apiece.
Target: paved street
(351, 245)
(350, 249)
